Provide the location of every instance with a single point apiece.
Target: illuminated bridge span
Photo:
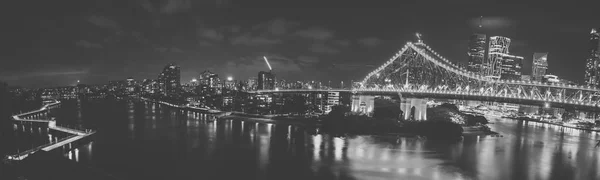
(418, 71)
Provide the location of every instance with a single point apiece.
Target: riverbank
(235, 114)
(215, 112)
(549, 122)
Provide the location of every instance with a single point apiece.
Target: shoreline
(551, 123)
(235, 114)
(294, 120)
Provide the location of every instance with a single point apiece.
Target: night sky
(56, 43)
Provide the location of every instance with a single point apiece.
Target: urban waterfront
(143, 140)
(182, 89)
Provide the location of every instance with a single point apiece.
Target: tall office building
(169, 80)
(539, 66)
(477, 47)
(497, 52)
(592, 70)
(510, 67)
(266, 80)
(209, 79)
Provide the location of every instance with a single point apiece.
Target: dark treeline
(441, 124)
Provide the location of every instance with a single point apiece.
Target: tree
(449, 106)
(296, 104)
(472, 120)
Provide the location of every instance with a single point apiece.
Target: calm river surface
(141, 140)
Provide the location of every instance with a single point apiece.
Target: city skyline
(99, 46)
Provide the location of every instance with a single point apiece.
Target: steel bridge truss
(416, 67)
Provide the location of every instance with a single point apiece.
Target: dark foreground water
(140, 140)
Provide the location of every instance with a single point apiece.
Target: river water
(142, 140)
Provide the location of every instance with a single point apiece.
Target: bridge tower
(413, 108)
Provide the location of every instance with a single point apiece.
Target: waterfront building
(266, 80)
(169, 80)
(592, 65)
(539, 66)
(510, 67)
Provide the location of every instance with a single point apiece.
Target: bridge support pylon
(414, 108)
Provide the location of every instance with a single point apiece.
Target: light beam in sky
(268, 63)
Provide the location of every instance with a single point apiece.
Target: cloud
(308, 59)
(14, 77)
(176, 50)
(492, 22)
(211, 34)
(147, 5)
(234, 29)
(205, 44)
(168, 50)
(322, 48)
(278, 26)
(517, 44)
(572, 30)
(176, 6)
(249, 67)
(344, 43)
(315, 33)
(87, 44)
(249, 40)
(103, 22)
(139, 37)
(370, 41)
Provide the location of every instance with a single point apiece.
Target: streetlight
(229, 79)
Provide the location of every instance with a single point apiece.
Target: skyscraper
(539, 66)
(592, 73)
(497, 50)
(477, 47)
(266, 80)
(510, 67)
(170, 79)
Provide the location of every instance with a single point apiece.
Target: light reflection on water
(177, 144)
